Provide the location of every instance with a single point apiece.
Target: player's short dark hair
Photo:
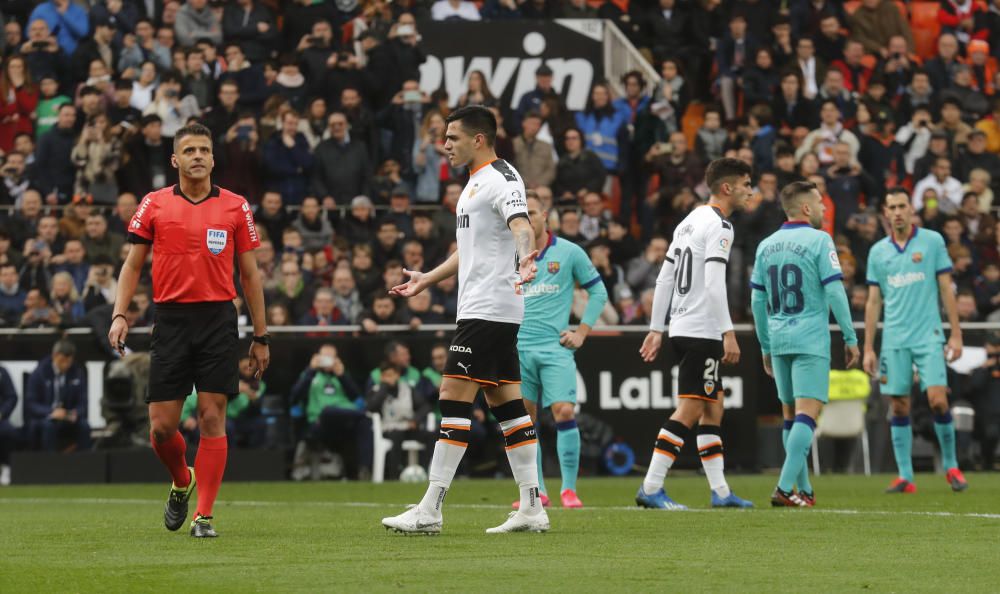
(724, 169)
(194, 129)
(898, 190)
(790, 194)
(476, 119)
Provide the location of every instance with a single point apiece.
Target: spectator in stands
(601, 125)
(72, 260)
(734, 55)
(976, 224)
(810, 68)
(403, 411)
(936, 148)
(222, 116)
(987, 289)
(711, 140)
(288, 161)
(291, 291)
(875, 22)
(358, 226)
(979, 184)
(271, 216)
(975, 156)
(991, 125)
(173, 108)
(532, 100)
(15, 182)
(948, 189)
(790, 108)
(342, 169)
(238, 158)
(252, 25)
(312, 125)
(413, 255)
(55, 173)
(328, 393)
(678, 167)
(579, 170)
(388, 243)
(831, 131)
(65, 299)
(97, 156)
(101, 287)
(429, 158)
(641, 271)
(454, 10)
(534, 158)
(595, 217)
(68, 21)
(444, 299)
(277, 315)
(12, 295)
(37, 311)
(18, 100)
(477, 92)
(43, 54)
(667, 27)
(951, 124)
(55, 401)
(763, 137)
(761, 80)
(833, 89)
(806, 16)
(959, 18)
(197, 20)
(249, 78)
(324, 310)
(146, 165)
(346, 297)
(383, 311)
(366, 276)
(315, 228)
(897, 68)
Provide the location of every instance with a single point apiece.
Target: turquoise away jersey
(793, 267)
(548, 299)
(907, 276)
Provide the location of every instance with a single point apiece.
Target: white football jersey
(487, 257)
(703, 236)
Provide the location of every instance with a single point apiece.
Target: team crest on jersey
(215, 239)
(709, 387)
(553, 267)
(472, 192)
(918, 257)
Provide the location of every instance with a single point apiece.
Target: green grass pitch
(294, 537)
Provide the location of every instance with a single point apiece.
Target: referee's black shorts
(194, 344)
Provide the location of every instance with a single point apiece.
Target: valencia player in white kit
(495, 256)
(692, 285)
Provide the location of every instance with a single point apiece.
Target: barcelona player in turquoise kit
(796, 282)
(545, 345)
(908, 271)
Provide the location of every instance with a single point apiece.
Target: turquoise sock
(796, 449)
(802, 481)
(902, 445)
(568, 446)
(945, 430)
(541, 475)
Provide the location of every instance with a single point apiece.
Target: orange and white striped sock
(452, 442)
(712, 460)
(522, 450)
(669, 442)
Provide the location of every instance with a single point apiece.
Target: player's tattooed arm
(524, 242)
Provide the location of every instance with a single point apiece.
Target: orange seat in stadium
(694, 116)
(926, 28)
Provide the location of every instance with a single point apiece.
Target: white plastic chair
(382, 446)
(842, 419)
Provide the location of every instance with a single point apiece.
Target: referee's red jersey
(194, 243)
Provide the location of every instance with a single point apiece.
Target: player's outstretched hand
(410, 287)
(767, 366)
(954, 348)
(651, 346)
(871, 363)
(730, 349)
(851, 356)
(527, 269)
(260, 358)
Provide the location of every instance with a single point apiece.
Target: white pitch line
(370, 504)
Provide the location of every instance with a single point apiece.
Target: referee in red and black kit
(195, 230)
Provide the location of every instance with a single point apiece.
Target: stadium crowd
(319, 120)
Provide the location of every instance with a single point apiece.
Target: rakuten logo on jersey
(533, 289)
(905, 279)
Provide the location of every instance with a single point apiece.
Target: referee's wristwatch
(264, 340)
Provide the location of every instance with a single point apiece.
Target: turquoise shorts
(801, 376)
(896, 369)
(548, 376)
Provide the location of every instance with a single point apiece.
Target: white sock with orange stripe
(448, 452)
(669, 442)
(522, 451)
(712, 460)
